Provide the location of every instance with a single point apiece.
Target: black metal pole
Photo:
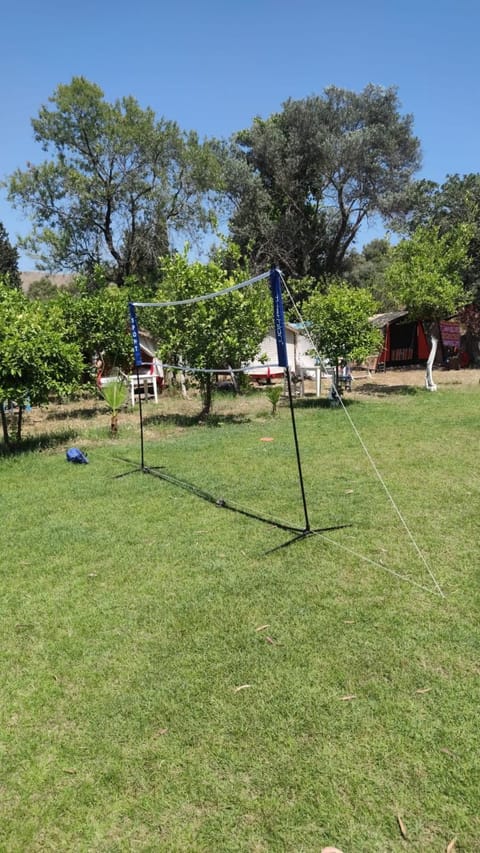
(142, 454)
(297, 450)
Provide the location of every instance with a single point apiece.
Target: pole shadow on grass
(221, 503)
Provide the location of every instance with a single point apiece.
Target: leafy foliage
(115, 184)
(43, 289)
(9, 273)
(97, 322)
(367, 269)
(214, 334)
(447, 206)
(115, 395)
(426, 272)
(303, 181)
(273, 394)
(36, 357)
(340, 326)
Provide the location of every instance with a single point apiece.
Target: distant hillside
(58, 279)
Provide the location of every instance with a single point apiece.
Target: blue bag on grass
(76, 455)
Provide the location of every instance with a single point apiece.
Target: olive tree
(302, 182)
(117, 183)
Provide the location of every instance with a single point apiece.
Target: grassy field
(172, 683)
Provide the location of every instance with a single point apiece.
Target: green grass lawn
(170, 685)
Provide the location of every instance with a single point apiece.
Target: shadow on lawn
(388, 390)
(44, 441)
(320, 403)
(83, 413)
(212, 420)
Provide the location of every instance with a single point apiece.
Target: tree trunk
(233, 379)
(6, 437)
(207, 395)
(183, 385)
(429, 383)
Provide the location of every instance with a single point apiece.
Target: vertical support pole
(140, 413)
(138, 361)
(297, 451)
(279, 323)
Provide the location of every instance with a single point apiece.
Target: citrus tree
(216, 334)
(426, 275)
(339, 323)
(36, 358)
(98, 324)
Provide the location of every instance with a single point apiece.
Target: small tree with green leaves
(426, 275)
(340, 324)
(215, 334)
(274, 393)
(43, 289)
(115, 396)
(98, 323)
(36, 358)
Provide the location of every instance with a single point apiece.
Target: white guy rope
(204, 296)
(378, 565)
(369, 456)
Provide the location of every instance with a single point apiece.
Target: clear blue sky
(213, 66)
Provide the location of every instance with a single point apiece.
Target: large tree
(115, 186)
(367, 269)
(9, 273)
(303, 182)
(426, 275)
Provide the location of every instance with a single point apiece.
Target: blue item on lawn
(76, 455)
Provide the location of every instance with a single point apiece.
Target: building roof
(381, 320)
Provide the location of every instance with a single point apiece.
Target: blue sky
(213, 66)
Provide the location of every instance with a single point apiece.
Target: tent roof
(381, 320)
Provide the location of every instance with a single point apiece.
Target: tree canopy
(9, 273)
(426, 272)
(36, 357)
(367, 269)
(97, 323)
(117, 183)
(302, 182)
(339, 323)
(446, 206)
(218, 333)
